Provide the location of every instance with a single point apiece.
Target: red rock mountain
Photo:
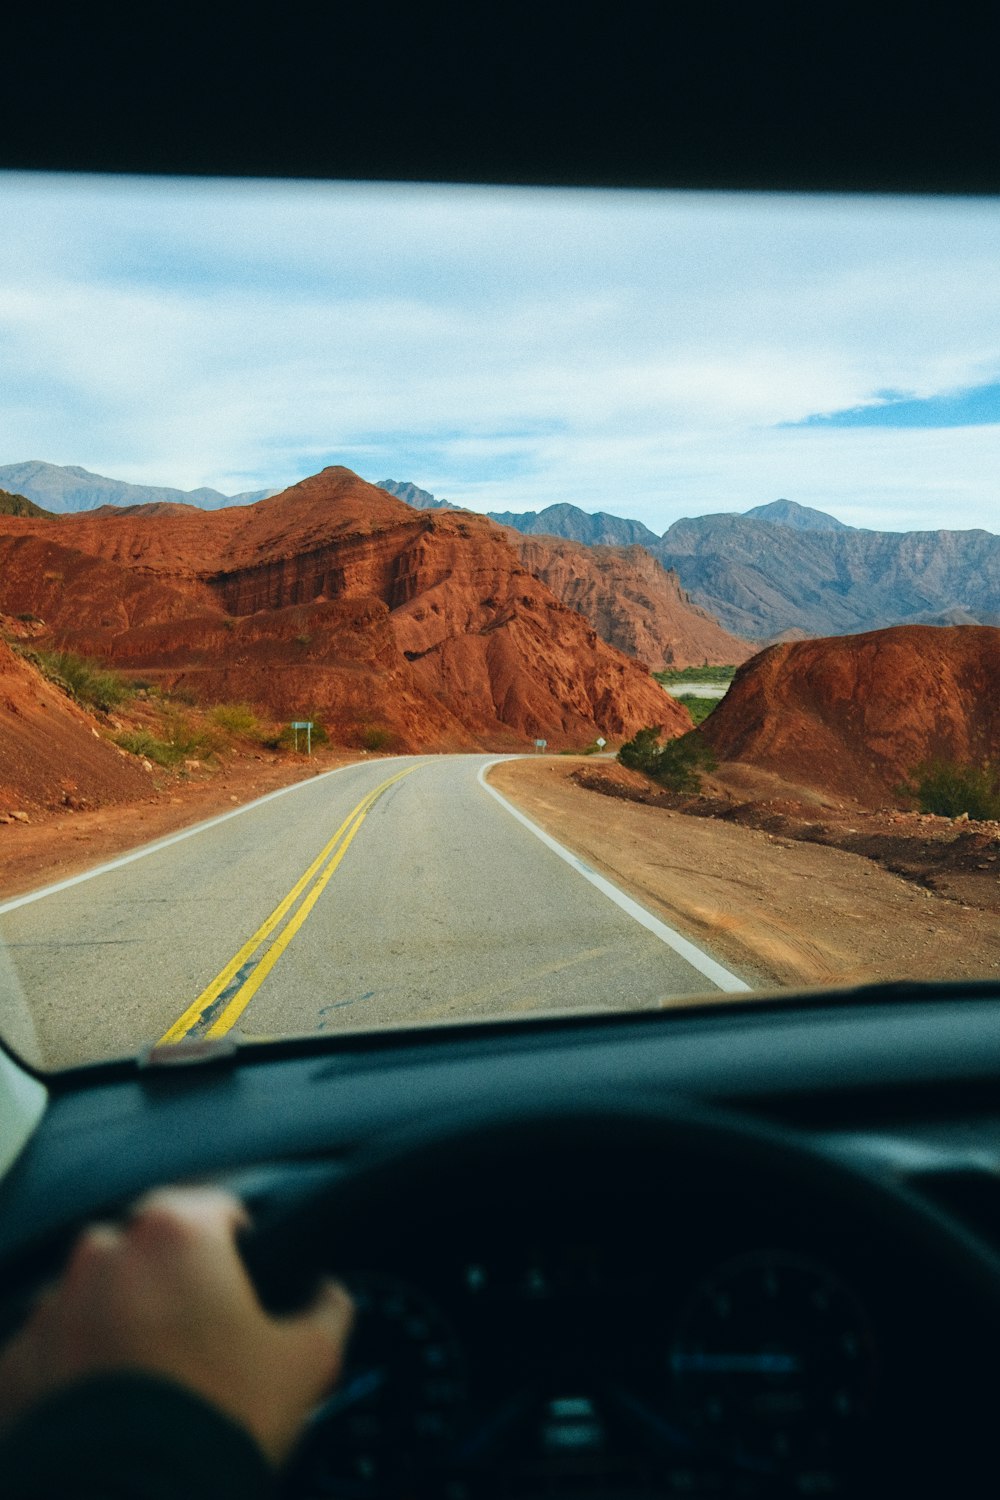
(633, 602)
(335, 600)
(854, 714)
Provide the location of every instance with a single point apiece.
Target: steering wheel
(524, 1142)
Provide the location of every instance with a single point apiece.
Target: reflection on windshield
(664, 668)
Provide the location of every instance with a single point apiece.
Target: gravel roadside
(791, 913)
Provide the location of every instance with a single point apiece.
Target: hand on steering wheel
(168, 1293)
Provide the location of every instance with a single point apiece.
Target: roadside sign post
(601, 743)
(305, 724)
(540, 745)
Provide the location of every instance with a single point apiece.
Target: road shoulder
(785, 913)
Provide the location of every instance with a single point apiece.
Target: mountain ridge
(334, 601)
(775, 571)
(65, 489)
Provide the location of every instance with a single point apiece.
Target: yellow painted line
(337, 846)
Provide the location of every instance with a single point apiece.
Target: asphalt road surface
(387, 893)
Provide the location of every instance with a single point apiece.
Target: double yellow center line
(221, 1003)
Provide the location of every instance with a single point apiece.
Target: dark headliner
(741, 95)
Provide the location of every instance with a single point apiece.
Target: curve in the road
(430, 902)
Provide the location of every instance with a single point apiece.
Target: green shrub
(677, 765)
(642, 752)
(376, 737)
(949, 788)
(682, 762)
(236, 718)
(182, 741)
(141, 742)
(85, 680)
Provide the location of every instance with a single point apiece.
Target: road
(390, 892)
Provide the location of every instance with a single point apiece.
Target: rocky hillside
(47, 741)
(337, 601)
(632, 601)
(786, 570)
(20, 505)
(854, 715)
(597, 530)
(412, 494)
(800, 517)
(760, 579)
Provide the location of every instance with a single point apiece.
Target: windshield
(425, 604)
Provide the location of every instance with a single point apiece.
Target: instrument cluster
(598, 1370)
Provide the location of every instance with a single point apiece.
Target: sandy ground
(786, 910)
(55, 845)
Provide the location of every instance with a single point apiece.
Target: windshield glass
(425, 604)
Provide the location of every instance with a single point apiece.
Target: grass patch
(236, 718)
(177, 741)
(720, 675)
(141, 742)
(87, 681)
(678, 765)
(949, 789)
(376, 737)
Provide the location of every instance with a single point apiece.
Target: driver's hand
(167, 1293)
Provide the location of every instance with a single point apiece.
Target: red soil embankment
(853, 715)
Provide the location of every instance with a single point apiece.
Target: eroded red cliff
(335, 600)
(633, 602)
(854, 714)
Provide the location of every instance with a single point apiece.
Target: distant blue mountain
(68, 488)
(801, 517)
(411, 494)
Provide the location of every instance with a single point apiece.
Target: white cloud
(631, 352)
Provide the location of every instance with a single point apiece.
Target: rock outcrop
(338, 601)
(632, 601)
(853, 715)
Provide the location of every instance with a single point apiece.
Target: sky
(655, 355)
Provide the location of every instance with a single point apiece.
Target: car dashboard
(740, 1250)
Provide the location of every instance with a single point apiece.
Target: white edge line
(184, 833)
(684, 949)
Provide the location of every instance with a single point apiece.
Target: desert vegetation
(949, 789)
(678, 764)
(672, 675)
(88, 682)
(699, 708)
(169, 729)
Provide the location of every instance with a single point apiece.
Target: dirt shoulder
(781, 910)
(55, 845)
